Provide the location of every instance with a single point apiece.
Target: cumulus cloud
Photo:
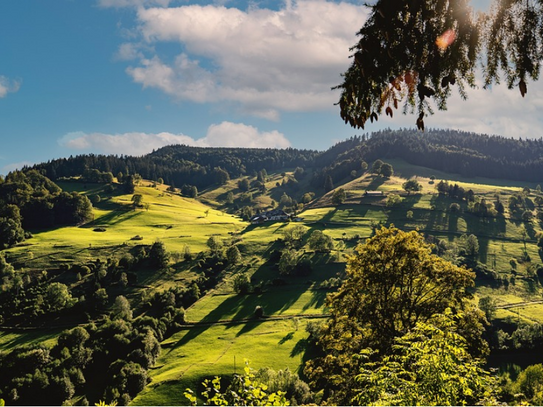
(265, 61)
(225, 134)
(8, 86)
(495, 111)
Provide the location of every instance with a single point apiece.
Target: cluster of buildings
(276, 214)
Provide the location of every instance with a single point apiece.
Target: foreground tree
(244, 390)
(430, 366)
(416, 51)
(393, 282)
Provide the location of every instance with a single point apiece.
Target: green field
(221, 326)
(188, 357)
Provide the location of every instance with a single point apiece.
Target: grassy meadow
(221, 330)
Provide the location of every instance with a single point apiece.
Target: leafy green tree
(376, 167)
(190, 191)
(241, 284)
(430, 366)
(121, 308)
(215, 244)
(412, 185)
(293, 235)
(158, 255)
(487, 304)
(6, 269)
(243, 184)
(470, 244)
(221, 176)
(393, 281)
(299, 173)
(129, 184)
(58, 297)
(318, 241)
(296, 390)
(233, 255)
(101, 298)
(285, 201)
(11, 232)
(308, 197)
(288, 261)
(530, 383)
(229, 198)
(393, 200)
(386, 170)
(339, 196)
(137, 200)
(244, 390)
(262, 175)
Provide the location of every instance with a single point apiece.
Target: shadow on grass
(115, 217)
(317, 300)
(286, 338)
(376, 183)
(300, 347)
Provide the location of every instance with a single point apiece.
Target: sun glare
(446, 39)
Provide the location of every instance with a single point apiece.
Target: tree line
(452, 151)
(29, 200)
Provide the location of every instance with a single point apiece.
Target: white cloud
(496, 111)
(128, 52)
(225, 134)
(15, 166)
(228, 134)
(8, 86)
(265, 61)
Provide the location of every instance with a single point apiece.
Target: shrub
(259, 312)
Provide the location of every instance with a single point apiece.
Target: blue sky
(128, 76)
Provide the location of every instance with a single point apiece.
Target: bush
(241, 284)
(259, 312)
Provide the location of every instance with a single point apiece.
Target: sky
(130, 76)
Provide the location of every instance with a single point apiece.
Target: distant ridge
(452, 151)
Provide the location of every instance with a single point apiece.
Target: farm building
(276, 214)
(373, 193)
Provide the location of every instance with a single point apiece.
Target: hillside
(171, 254)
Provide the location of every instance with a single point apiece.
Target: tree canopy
(431, 366)
(393, 282)
(415, 51)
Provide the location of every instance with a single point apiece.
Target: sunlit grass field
(208, 350)
(192, 355)
(175, 220)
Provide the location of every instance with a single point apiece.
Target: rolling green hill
(220, 330)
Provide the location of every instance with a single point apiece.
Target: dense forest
(445, 150)
(32, 201)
